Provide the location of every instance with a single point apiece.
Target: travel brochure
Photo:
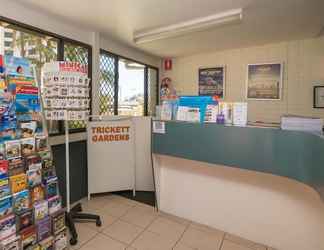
(204, 109)
(29, 194)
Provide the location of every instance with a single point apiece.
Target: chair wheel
(73, 241)
(98, 223)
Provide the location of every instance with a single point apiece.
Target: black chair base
(74, 215)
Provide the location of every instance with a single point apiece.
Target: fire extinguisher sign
(167, 64)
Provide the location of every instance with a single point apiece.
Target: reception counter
(292, 154)
(264, 184)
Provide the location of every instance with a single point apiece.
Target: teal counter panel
(295, 155)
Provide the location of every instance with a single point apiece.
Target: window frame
(117, 57)
(60, 57)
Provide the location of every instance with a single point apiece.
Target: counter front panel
(292, 154)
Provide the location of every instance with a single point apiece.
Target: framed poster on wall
(264, 81)
(318, 97)
(212, 81)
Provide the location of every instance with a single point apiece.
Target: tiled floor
(131, 225)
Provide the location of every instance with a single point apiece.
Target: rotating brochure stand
(66, 97)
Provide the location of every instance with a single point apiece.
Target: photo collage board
(66, 91)
(31, 213)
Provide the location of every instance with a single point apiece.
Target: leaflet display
(66, 91)
(27, 173)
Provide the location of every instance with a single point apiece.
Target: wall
(264, 208)
(303, 66)
(78, 168)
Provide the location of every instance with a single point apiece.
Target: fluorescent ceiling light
(197, 24)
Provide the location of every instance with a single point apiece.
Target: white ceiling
(264, 21)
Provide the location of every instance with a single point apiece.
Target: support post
(67, 165)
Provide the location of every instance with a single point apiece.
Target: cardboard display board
(111, 155)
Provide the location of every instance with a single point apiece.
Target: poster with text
(264, 81)
(212, 82)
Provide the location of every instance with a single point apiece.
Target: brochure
(40, 210)
(34, 175)
(28, 146)
(60, 240)
(13, 149)
(18, 66)
(58, 221)
(28, 237)
(5, 206)
(7, 226)
(43, 228)
(21, 201)
(37, 194)
(4, 187)
(4, 168)
(11, 243)
(18, 183)
(25, 220)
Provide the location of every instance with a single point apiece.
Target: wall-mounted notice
(111, 155)
(159, 127)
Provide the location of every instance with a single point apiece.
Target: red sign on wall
(167, 64)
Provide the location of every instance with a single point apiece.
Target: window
(39, 47)
(130, 88)
(126, 87)
(7, 44)
(107, 84)
(8, 34)
(76, 53)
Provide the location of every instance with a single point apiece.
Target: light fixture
(197, 24)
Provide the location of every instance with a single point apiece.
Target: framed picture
(318, 97)
(212, 81)
(264, 81)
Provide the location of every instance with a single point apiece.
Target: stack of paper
(314, 125)
(239, 113)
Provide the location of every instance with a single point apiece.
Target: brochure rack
(31, 215)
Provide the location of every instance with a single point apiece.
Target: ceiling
(264, 21)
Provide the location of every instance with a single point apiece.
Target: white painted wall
(303, 67)
(24, 14)
(268, 209)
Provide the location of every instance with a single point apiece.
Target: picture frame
(264, 81)
(318, 97)
(211, 81)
